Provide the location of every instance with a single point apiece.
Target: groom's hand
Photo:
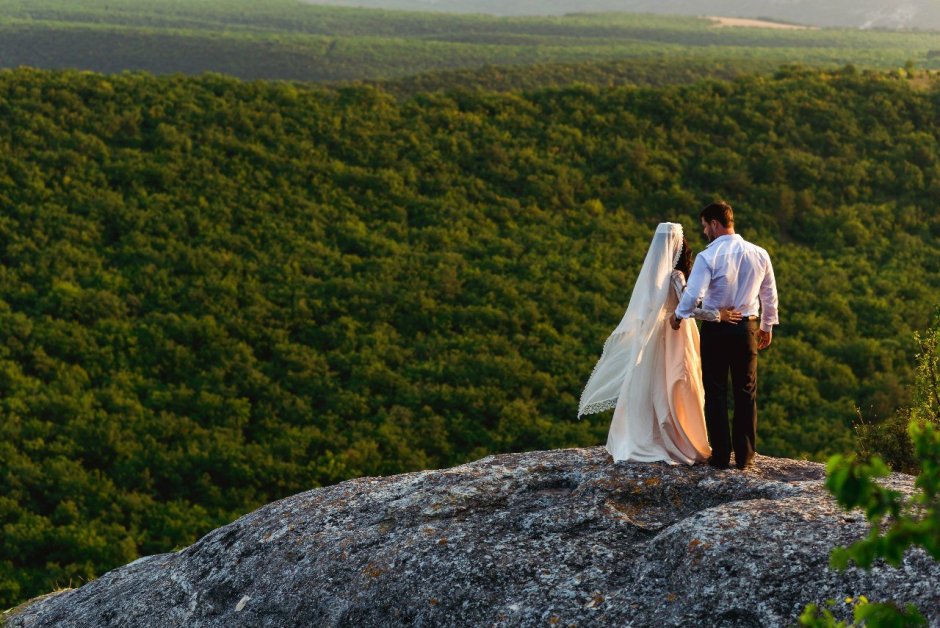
(674, 322)
(763, 339)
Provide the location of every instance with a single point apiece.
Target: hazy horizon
(912, 14)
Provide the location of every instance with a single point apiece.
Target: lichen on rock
(562, 537)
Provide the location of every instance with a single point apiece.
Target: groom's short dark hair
(720, 211)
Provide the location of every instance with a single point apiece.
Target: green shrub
(890, 439)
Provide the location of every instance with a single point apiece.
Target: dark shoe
(748, 464)
(716, 464)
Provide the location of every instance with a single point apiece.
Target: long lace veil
(642, 323)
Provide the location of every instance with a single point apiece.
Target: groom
(730, 273)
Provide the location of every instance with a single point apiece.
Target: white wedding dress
(651, 374)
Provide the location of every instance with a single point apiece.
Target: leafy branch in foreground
(896, 524)
(863, 613)
(911, 523)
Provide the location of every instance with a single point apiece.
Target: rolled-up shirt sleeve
(699, 279)
(768, 299)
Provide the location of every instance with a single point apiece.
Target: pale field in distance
(720, 22)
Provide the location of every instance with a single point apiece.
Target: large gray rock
(557, 537)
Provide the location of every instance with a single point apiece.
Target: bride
(650, 374)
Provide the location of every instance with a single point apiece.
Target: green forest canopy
(216, 293)
(287, 39)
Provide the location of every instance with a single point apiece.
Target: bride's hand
(729, 316)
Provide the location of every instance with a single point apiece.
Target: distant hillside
(289, 40)
(907, 14)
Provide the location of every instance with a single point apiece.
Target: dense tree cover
(656, 72)
(286, 39)
(214, 293)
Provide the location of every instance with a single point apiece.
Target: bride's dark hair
(685, 260)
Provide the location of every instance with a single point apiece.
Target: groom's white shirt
(732, 273)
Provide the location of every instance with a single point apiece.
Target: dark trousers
(727, 347)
